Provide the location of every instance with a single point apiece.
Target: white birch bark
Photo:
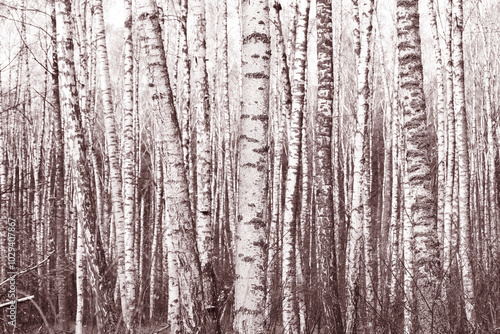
(59, 186)
(491, 163)
(323, 179)
(115, 177)
(184, 100)
(200, 109)
(358, 230)
(156, 245)
(451, 151)
(77, 152)
(252, 171)
(421, 246)
(395, 228)
(183, 261)
(441, 121)
(284, 102)
(289, 276)
(129, 177)
(465, 250)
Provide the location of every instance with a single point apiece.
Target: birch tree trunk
(289, 303)
(228, 140)
(441, 121)
(250, 238)
(59, 186)
(184, 98)
(129, 172)
(183, 260)
(303, 245)
(156, 245)
(280, 123)
(200, 108)
(491, 156)
(395, 228)
(363, 14)
(364, 107)
(465, 250)
(125, 278)
(323, 179)
(77, 151)
(421, 247)
(451, 151)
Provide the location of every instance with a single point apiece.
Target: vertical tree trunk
(451, 151)
(123, 233)
(323, 180)
(156, 245)
(421, 247)
(129, 177)
(59, 186)
(250, 238)
(395, 228)
(363, 14)
(291, 216)
(303, 245)
(465, 250)
(184, 101)
(386, 210)
(441, 121)
(491, 156)
(338, 190)
(285, 103)
(183, 260)
(200, 108)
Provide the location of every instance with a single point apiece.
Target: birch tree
(124, 233)
(290, 303)
(249, 292)
(465, 254)
(129, 172)
(363, 14)
(77, 151)
(61, 278)
(421, 252)
(323, 180)
(200, 108)
(183, 261)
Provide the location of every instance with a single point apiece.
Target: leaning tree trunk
(77, 150)
(421, 247)
(183, 261)
(249, 290)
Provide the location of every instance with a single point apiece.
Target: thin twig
(28, 270)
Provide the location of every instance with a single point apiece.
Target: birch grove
(216, 166)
